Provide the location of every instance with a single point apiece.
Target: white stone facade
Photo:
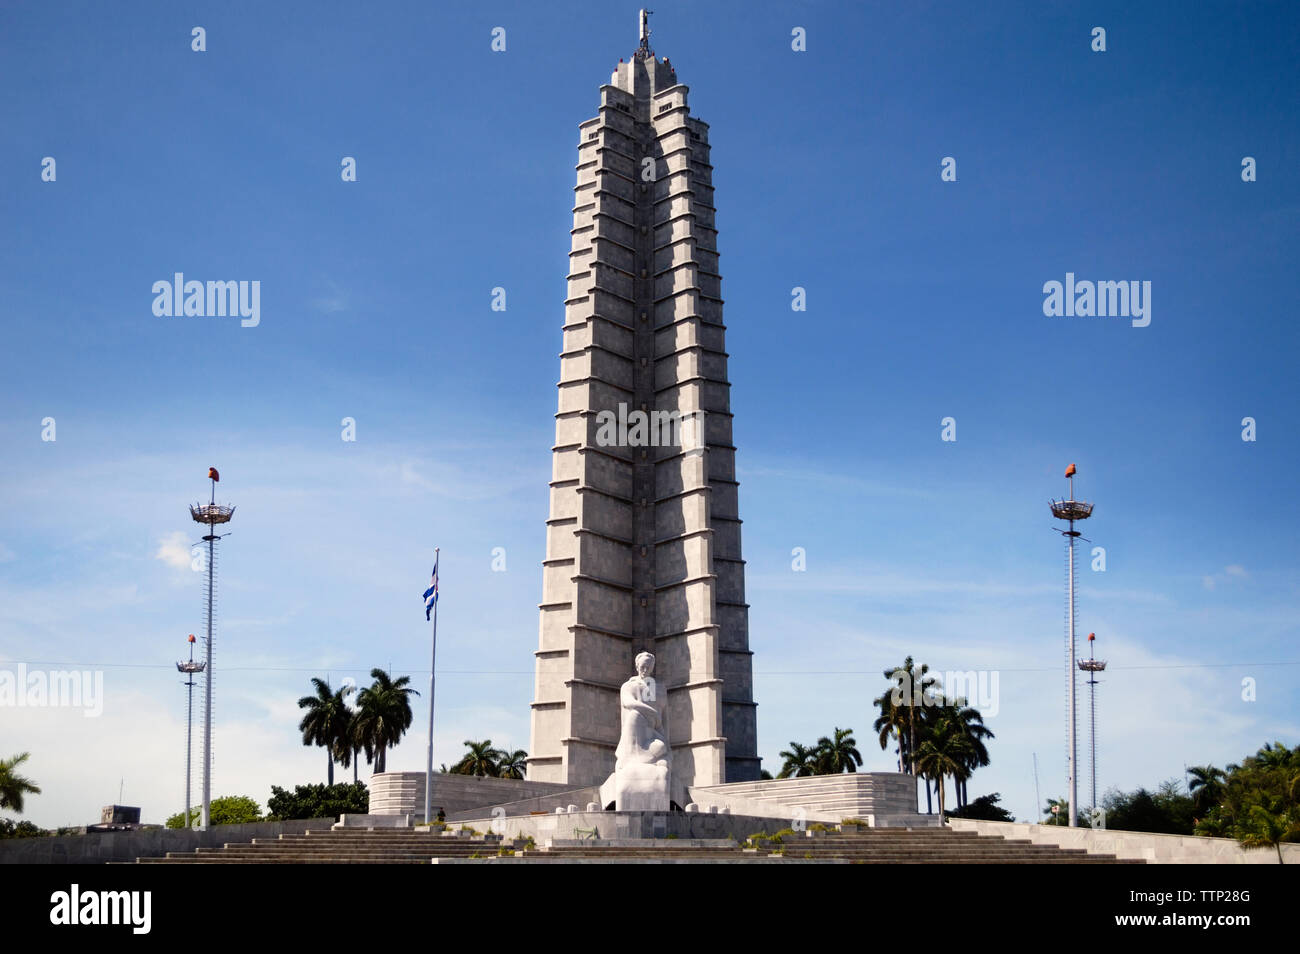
(643, 541)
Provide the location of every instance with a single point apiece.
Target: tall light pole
(1092, 665)
(212, 514)
(190, 668)
(1071, 510)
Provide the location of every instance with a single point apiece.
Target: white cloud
(1234, 571)
(174, 550)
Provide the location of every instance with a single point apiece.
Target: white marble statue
(643, 758)
(644, 736)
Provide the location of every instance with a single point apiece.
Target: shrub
(984, 808)
(21, 829)
(1167, 810)
(226, 810)
(318, 801)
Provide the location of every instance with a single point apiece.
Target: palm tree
(513, 764)
(349, 750)
(935, 721)
(970, 722)
(943, 752)
(13, 787)
(890, 724)
(902, 709)
(1057, 812)
(1268, 829)
(1206, 786)
(327, 723)
(481, 760)
(1273, 755)
(383, 715)
(800, 760)
(839, 753)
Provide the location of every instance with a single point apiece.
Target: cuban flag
(431, 594)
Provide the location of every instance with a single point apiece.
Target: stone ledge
(1150, 847)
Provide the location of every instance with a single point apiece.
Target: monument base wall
(543, 804)
(607, 826)
(879, 798)
(402, 793)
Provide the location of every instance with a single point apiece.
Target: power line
(530, 672)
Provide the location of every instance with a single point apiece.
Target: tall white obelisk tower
(643, 541)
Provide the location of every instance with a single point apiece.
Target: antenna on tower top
(644, 49)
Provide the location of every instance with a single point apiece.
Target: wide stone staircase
(361, 846)
(852, 845)
(897, 846)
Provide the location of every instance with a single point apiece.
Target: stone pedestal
(637, 788)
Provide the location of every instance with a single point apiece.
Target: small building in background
(118, 818)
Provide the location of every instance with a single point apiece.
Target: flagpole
(433, 661)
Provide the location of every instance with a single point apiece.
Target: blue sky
(924, 301)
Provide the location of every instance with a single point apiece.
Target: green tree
(1265, 828)
(383, 716)
(1057, 812)
(1167, 810)
(984, 808)
(800, 761)
(328, 723)
(838, 753)
(513, 764)
(349, 749)
(1273, 755)
(318, 801)
(890, 725)
(481, 760)
(226, 810)
(349, 753)
(970, 725)
(14, 787)
(944, 751)
(902, 707)
(1206, 786)
(21, 829)
(1259, 800)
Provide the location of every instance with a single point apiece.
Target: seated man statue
(644, 758)
(644, 737)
